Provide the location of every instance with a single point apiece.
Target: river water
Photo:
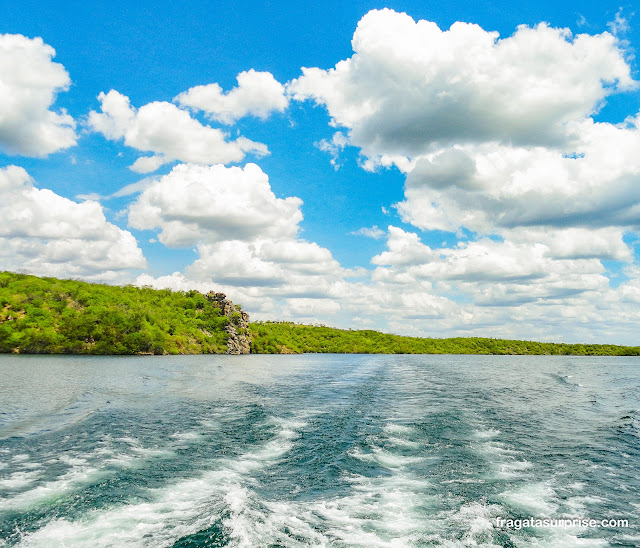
(317, 450)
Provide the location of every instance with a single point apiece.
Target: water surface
(317, 450)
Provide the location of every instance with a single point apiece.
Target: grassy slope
(284, 337)
(47, 315)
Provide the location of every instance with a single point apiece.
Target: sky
(435, 169)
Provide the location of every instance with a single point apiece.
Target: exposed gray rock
(239, 341)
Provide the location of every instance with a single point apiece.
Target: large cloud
(214, 203)
(29, 83)
(485, 260)
(410, 87)
(289, 267)
(505, 289)
(167, 131)
(257, 94)
(489, 187)
(47, 234)
(496, 136)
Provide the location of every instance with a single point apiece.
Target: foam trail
(174, 511)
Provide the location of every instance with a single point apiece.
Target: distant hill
(52, 316)
(290, 338)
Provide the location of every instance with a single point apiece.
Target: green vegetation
(289, 338)
(51, 316)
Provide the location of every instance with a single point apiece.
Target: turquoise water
(317, 450)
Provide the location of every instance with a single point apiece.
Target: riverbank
(52, 316)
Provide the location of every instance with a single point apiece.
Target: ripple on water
(362, 451)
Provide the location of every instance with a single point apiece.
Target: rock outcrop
(239, 341)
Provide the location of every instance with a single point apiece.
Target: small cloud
(134, 188)
(385, 210)
(93, 197)
(333, 147)
(620, 23)
(373, 232)
(257, 94)
(147, 164)
(582, 21)
(128, 190)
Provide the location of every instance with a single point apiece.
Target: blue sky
(438, 182)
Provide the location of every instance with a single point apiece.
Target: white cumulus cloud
(29, 83)
(491, 188)
(47, 234)
(410, 86)
(214, 203)
(167, 131)
(257, 94)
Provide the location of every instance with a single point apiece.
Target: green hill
(51, 316)
(289, 338)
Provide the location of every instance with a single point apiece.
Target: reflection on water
(316, 450)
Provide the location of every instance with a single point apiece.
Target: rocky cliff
(239, 341)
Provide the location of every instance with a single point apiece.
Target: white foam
(72, 460)
(471, 524)
(579, 503)
(402, 442)
(488, 433)
(30, 465)
(273, 450)
(51, 489)
(385, 458)
(395, 428)
(513, 468)
(537, 498)
(177, 510)
(496, 448)
(381, 511)
(561, 538)
(83, 470)
(186, 436)
(18, 480)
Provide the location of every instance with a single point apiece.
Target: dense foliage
(284, 337)
(47, 315)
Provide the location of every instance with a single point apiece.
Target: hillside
(289, 338)
(52, 316)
